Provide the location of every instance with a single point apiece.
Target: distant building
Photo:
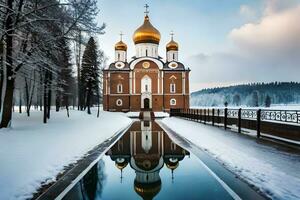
(147, 82)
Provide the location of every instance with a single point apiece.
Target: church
(147, 81)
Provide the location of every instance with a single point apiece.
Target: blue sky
(203, 29)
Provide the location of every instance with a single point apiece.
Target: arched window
(119, 102)
(118, 56)
(172, 88)
(119, 88)
(146, 84)
(173, 102)
(173, 56)
(146, 52)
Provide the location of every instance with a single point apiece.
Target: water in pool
(146, 164)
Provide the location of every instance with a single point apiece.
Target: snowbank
(32, 152)
(275, 172)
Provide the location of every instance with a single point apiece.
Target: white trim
(119, 102)
(133, 82)
(119, 88)
(173, 100)
(159, 64)
(172, 86)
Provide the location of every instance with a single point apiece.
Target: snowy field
(32, 152)
(276, 173)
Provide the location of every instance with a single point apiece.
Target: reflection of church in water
(146, 148)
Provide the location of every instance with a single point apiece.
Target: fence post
(208, 115)
(225, 118)
(239, 120)
(197, 115)
(213, 117)
(218, 116)
(258, 122)
(204, 115)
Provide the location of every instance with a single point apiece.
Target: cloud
(247, 11)
(276, 33)
(275, 6)
(268, 50)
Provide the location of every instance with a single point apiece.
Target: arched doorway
(146, 103)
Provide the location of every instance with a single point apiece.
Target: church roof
(113, 66)
(180, 66)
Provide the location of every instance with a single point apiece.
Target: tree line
(253, 94)
(40, 43)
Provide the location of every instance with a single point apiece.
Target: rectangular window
(172, 88)
(119, 88)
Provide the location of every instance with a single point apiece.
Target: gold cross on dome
(172, 34)
(146, 7)
(121, 35)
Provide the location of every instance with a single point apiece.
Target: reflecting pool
(146, 164)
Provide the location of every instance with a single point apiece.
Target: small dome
(172, 46)
(121, 163)
(146, 33)
(121, 46)
(172, 163)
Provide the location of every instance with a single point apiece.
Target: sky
(223, 42)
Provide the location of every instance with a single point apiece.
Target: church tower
(172, 50)
(146, 39)
(121, 51)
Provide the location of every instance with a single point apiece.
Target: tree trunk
(8, 80)
(20, 102)
(45, 97)
(57, 101)
(49, 95)
(88, 98)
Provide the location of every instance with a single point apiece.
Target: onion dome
(146, 33)
(172, 163)
(147, 190)
(121, 163)
(172, 46)
(121, 46)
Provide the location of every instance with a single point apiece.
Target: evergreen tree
(236, 100)
(90, 74)
(268, 101)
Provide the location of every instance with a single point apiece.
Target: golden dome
(146, 33)
(121, 46)
(172, 166)
(121, 166)
(147, 191)
(172, 46)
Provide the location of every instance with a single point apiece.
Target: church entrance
(146, 103)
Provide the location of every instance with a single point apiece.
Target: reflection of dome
(172, 46)
(121, 163)
(146, 33)
(147, 190)
(121, 46)
(172, 163)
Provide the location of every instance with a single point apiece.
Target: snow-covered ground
(273, 171)
(32, 152)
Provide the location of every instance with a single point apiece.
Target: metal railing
(242, 118)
